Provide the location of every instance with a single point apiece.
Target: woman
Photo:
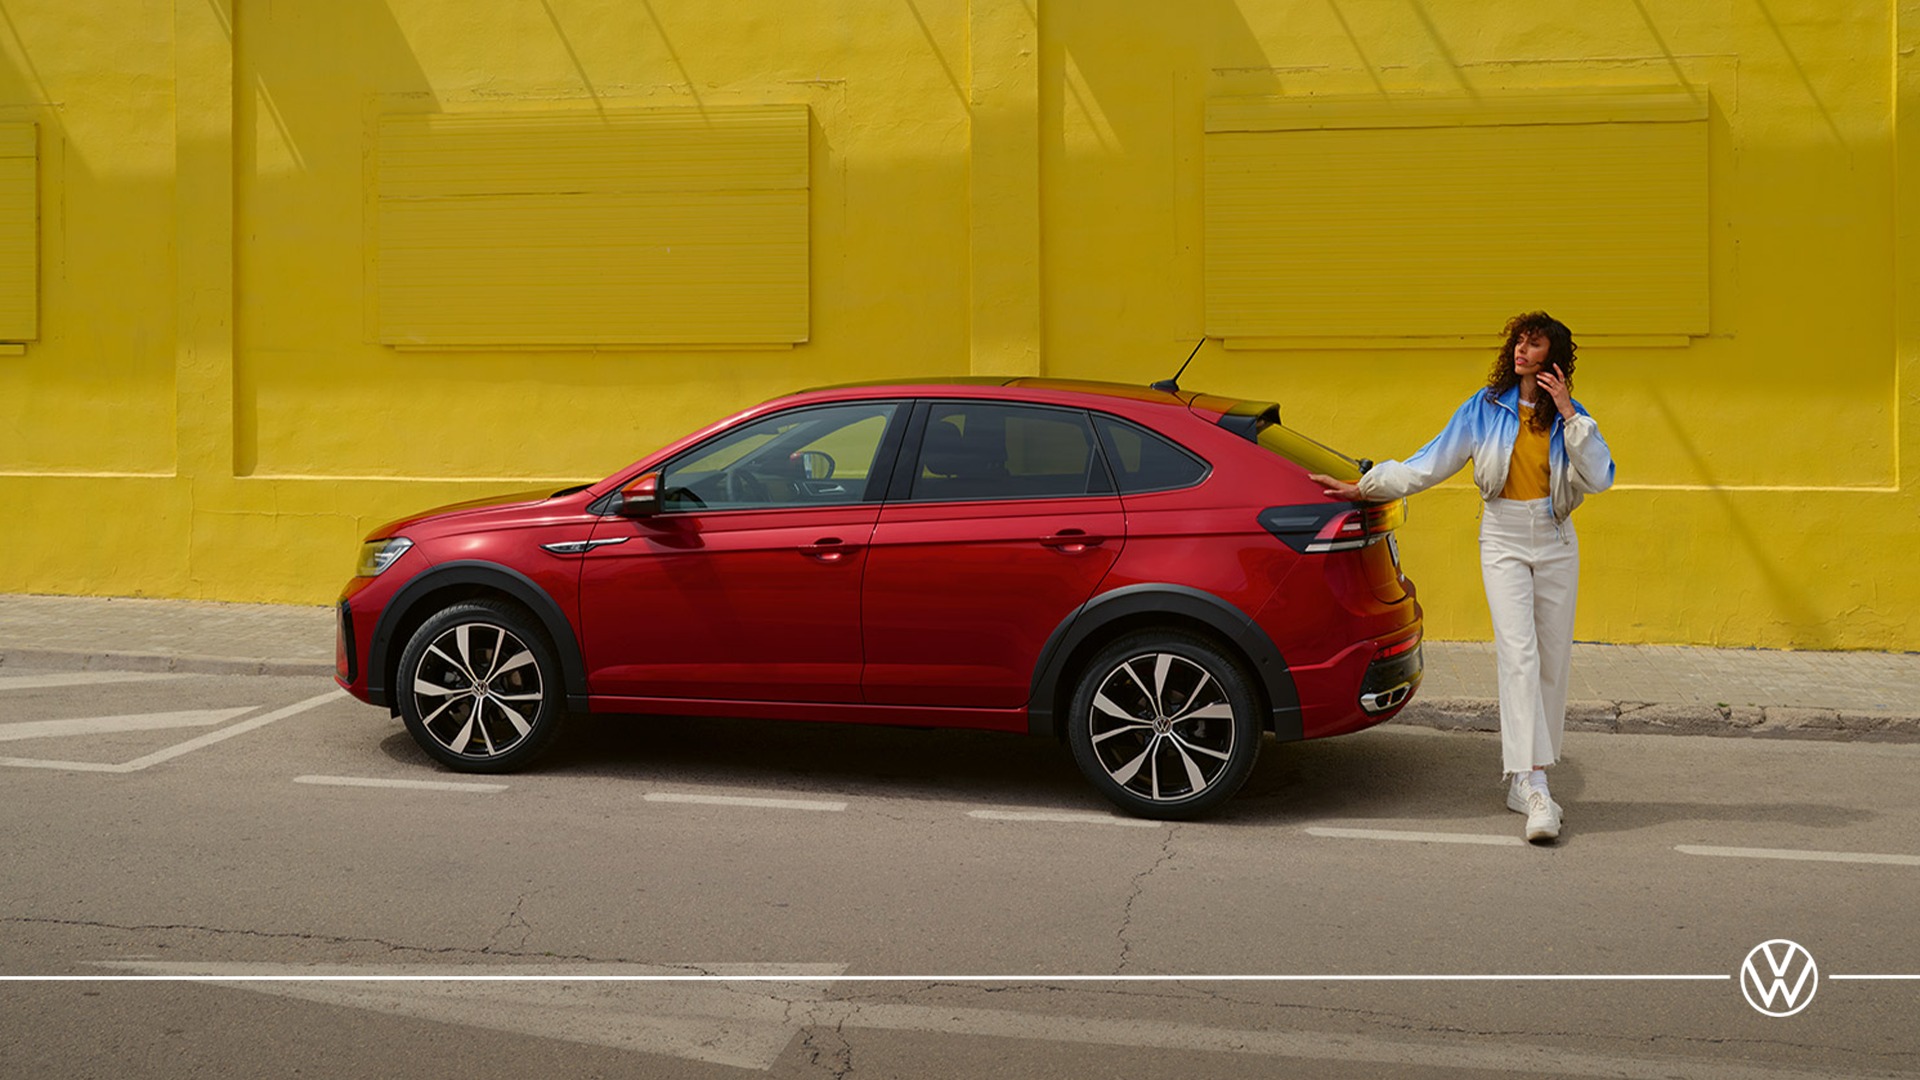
(1536, 453)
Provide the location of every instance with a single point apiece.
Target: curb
(80, 660)
(1444, 714)
(1646, 718)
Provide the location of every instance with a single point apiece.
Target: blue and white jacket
(1483, 429)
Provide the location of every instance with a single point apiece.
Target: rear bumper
(1390, 682)
(1363, 684)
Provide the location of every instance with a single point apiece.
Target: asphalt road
(215, 859)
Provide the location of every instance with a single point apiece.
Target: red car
(1148, 574)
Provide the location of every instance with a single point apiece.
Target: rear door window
(990, 450)
(1142, 461)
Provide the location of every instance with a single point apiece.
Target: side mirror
(815, 464)
(640, 498)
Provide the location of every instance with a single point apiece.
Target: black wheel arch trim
(573, 669)
(1223, 618)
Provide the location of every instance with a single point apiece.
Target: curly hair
(1560, 351)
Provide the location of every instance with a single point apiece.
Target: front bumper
(354, 615)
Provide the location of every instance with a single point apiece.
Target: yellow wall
(1005, 186)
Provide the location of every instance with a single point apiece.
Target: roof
(1129, 391)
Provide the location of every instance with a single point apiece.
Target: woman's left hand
(1555, 384)
(1338, 489)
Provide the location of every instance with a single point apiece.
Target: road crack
(1139, 886)
(317, 938)
(828, 1049)
(514, 921)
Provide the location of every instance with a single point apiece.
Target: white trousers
(1532, 572)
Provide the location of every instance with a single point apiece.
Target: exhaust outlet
(1390, 698)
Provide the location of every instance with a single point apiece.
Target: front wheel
(1165, 724)
(479, 687)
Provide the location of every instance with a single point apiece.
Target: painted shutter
(674, 226)
(19, 234)
(1343, 218)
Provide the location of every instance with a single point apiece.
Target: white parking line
(79, 678)
(1798, 856)
(1059, 816)
(411, 785)
(177, 749)
(62, 766)
(743, 800)
(107, 725)
(240, 728)
(1416, 837)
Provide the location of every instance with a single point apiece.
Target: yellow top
(1527, 471)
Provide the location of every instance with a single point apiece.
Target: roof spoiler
(1248, 418)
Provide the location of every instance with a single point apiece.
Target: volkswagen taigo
(1147, 574)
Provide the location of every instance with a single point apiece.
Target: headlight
(377, 555)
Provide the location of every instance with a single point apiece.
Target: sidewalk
(1626, 688)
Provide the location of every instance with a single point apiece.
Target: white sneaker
(1519, 800)
(1517, 786)
(1543, 816)
(1517, 794)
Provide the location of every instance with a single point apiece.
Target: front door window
(808, 457)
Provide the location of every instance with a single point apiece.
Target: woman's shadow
(1409, 775)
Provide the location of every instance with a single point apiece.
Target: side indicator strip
(580, 547)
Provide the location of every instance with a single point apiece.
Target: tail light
(1388, 652)
(1313, 529)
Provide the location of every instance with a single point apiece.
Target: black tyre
(1165, 724)
(479, 687)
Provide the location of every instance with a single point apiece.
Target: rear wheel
(1165, 724)
(479, 687)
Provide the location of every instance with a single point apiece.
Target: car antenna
(1173, 384)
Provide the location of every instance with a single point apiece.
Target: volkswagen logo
(1779, 977)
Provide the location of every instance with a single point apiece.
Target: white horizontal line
(416, 785)
(14, 730)
(64, 766)
(1416, 837)
(1061, 816)
(80, 678)
(1799, 856)
(1889, 978)
(1022, 980)
(742, 800)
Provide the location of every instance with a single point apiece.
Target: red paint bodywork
(928, 613)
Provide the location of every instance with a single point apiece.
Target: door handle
(1072, 541)
(827, 549)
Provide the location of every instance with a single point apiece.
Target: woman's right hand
(1339, 489)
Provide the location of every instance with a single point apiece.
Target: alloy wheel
(1161, 727)
(477, 690)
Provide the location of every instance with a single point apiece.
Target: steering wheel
(742, 486)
